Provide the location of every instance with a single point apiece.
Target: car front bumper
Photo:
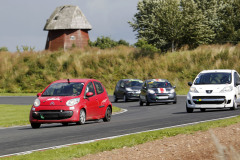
(133, 95)
(161, 97)
(214, 100)
(54, 116)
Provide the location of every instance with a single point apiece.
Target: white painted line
(112, 137)
(122, 111)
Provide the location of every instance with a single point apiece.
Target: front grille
(52, 114)
(208, 99)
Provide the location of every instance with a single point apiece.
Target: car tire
(35, 125)
(140, 102)
(125, 98)
(82, 117)
(203, 109)
(175, 101)
(189, 110)
(147, 103)
(115, 98)
(108, 115)
(234, 107)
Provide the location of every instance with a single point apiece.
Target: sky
(22, 21)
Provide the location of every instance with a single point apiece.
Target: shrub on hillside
(3, 49)
(107, 42)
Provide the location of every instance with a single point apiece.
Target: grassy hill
(31, 72)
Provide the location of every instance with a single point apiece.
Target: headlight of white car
(193, 89)
(36, 102)
(129, 89)
(73, 102)
(226, 89)
(151, 91)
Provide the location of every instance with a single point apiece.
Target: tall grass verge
(31, 72)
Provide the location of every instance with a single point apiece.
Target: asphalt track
(136, 119)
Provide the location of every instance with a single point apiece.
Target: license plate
(162, 97)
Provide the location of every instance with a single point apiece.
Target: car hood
(55, 101)
(211, 88)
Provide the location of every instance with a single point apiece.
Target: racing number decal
(161, 90)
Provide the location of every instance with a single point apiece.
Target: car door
(117, 89)
(143, 93)
(91, 102)
(102, 98)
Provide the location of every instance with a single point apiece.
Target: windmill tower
(67, 27)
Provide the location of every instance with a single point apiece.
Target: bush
(107, 42)
(3, 49)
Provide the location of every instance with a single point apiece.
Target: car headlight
(172, 91)
(36, 102)
(193, 89)
(226, 89)
(73, 102)
(151, 91)
(129, 89)
(138, 91)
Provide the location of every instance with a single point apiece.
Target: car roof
(131, 79)
(158, 80)
(218, 70)
(75, 80)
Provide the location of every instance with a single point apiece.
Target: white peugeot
(213, 89)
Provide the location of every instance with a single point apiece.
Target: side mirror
(174, 87)
(89, 94)
(190, 84)
(39, 94)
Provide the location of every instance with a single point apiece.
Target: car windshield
(159, 85)
(213, 78)
(64, 89)
(133, 83)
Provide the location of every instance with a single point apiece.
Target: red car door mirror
(39, 94)
(89, 94)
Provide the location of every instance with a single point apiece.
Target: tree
(229, 16)
(159, 23)
(106, 42)
(196, 30)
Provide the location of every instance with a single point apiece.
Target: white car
(214, 89)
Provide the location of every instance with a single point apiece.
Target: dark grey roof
(67, 17)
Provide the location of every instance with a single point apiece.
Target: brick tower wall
(66, 39)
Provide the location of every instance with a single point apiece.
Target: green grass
(76, 151)
(14, 115)
(18, 94)
(18, 115)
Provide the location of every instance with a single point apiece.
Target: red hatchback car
(71, 101)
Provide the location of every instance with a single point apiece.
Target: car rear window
(64, 89)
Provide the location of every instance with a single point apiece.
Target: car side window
(236, 78)
(122, 84)
(90, 88)
(99, 87)
(118, 84)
